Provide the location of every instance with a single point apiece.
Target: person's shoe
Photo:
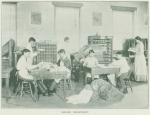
(45, 94)
(50, 94)
(125, 91)
(54, 91)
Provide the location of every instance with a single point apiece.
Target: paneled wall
(8, 22)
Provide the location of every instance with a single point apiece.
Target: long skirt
(140, 68)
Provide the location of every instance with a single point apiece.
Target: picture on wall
(97, 18)
(36, 18)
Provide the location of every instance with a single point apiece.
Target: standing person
(32, 47)
(140, 61)
(67, 46)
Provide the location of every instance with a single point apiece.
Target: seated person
(65, 64)
(24, 67)
(89, 62)
(63, 60)
(122, 63)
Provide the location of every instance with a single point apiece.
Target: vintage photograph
(75, 54)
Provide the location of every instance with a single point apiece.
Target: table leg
(64, 93)
(36, 95)
(116, 80)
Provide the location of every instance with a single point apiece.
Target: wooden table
(105, 70)
(41, 74)
(46, 74)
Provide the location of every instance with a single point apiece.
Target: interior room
(74, 54)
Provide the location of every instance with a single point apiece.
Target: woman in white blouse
(140, 61)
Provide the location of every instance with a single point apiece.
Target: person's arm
(58, 62)
(85, 63)
(67, 63)
(31, 67)
(115, 63)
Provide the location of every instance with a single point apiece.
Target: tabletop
(40, 74)
(105, 70)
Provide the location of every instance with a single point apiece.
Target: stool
(128, 83)
(24, 87)
(66, 83)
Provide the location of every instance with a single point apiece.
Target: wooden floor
(137, 99)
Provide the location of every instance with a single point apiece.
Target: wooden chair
(128, 82)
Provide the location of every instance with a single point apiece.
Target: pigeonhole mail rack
(48, 52)
(102, 47)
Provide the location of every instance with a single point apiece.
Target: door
(67, 25)
(123, 28)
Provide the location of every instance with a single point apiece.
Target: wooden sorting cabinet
(49, 53)
(102, 47)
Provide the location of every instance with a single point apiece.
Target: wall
(45, 31)
(8, 24)
(106, 29)
(25, 29)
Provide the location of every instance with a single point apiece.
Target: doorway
(123, 23)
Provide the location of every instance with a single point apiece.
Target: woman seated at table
(65, 65)
(24, 67)
(89, 62)
(122, 63)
